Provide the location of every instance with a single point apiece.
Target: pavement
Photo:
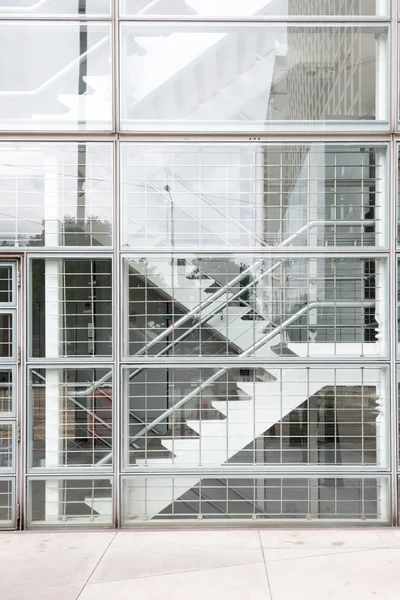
(267, 564)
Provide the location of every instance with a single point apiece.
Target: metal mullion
(117, 336)
(292, 20)
(393, 331)
(51, 18)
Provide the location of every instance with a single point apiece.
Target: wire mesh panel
(188, 305)
(189, 416)
(62, 502)
(6, 392)
(71, 309)
(71, 417)
(219, 196)
(7, 441)
(7, 503)
(349, 499)
(55, 195)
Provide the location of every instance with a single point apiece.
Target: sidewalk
(267, 564)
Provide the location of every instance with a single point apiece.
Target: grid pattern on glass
(6, 392)
(245, 305)
(6, 335)
(70, 417)
(185, 417)
(71, 309)
(252, 196)
(21, 9)
(6, 445)
(55, 194)
(305, 499)
(7, 502)
(63, 81)
(63, 502)
(252, 8)
(271, 74)
(6, 284)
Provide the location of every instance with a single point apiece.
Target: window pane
(7, 435)
(300, 499)
(252, 77)
(6, 392)
(256, 8)
(6, 335)
(55, 194)
(262, 306)
(232, 196)
(6, 284)
(54, 8)
(71, 309)
(70, 502)
(189, 417)
(7, 502)
(70, 417)
(59, 79)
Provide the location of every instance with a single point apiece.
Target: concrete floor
(268, 564)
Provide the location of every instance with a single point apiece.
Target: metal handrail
(58, 75)
(253, 348)
(205, 303)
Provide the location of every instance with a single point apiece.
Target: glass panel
(6, 283)
(6, 446)
(253, 195)
(186, 417)
(59, 79)
(65, 502)
(55, 194)
(70, 417)
(6, 335)
(55, 8)
(250, 77)
(7, 503)
(6, 392)
(280, 499)
(71, 309)
(264, 306)
(254, 8)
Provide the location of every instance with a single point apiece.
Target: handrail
(205, 303)
(253, 348)
(58, 75)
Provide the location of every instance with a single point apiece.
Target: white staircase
(219, 440)
(229, 323)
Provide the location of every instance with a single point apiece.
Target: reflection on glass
(281, 498)
(71, 417)
(7, 502)
(66, 502)
(58, 79)
(187, 417)
(55, 8)
(6, 446)
(252, 77)
(6, 283)
(71, 308)
(254, 8)
(6, 392)
(6, 335)
(232, 196)
(55, 194)
(189, 305)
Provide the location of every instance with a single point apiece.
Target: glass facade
(199, 262)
